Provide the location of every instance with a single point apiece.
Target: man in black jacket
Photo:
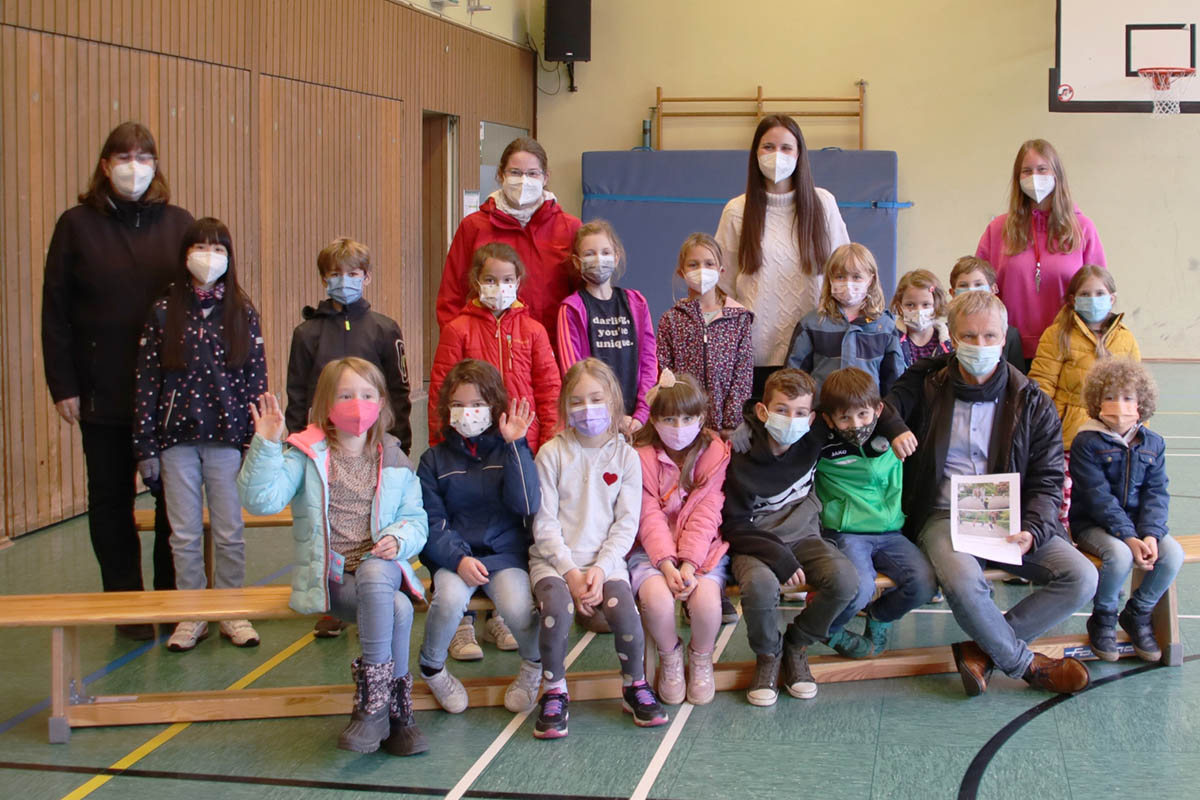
(974, 414)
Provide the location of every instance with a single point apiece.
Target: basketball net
(1167, 85)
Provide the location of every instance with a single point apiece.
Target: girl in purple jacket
(607, 322)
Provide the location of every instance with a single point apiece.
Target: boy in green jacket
(859, 481)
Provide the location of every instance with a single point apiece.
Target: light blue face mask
(1094, 309)
(787, 431)
(978, 359)
(345, 289)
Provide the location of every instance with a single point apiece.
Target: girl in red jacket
(494, 326)
(679, 554)
(523, 215)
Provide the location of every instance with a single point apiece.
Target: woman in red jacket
(494, 326)
(526, 217)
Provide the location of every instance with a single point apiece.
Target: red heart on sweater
(610, 478)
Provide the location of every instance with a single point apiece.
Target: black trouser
(108, 451)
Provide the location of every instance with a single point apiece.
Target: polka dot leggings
(557, 613)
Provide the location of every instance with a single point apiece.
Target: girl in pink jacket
(679, 553)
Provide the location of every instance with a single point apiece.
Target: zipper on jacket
(1128, 462)
(170, 408)
(508, 337)
(499, 350)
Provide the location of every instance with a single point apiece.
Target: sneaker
(463, 646)
(522, 694)
(186, 636)
(638, 699)
(495, 631)
(938, 597)
(447, 690)
(1141, 634)
(849, 644)
(764, 690)
(1014, 580)
(797, 677)
(240, 632)
(877, 633)
(729, 614)
(700, 685)
(671, 686)
(552, 719)
(328, 627)
(1102, 635)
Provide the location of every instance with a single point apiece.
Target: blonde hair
(325, 396)
(920, 279)
(599, 227)
(1064, 321)
(967, 303)
(600, 372)
(1063, 234)
(345, 253)
(713, 246)
(840, 261)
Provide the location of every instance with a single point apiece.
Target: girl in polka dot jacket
(591, 481)
(200, 363)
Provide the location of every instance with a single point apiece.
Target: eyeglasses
(517, 174)
(125, 158)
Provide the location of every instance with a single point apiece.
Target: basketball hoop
(1167, 85)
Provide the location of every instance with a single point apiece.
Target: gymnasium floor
(910, 737)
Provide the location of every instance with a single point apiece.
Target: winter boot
(405, 738)
(369, 721)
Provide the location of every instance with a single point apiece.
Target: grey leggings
(557, 611)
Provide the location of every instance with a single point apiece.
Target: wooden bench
(143, 520)
(64, 614)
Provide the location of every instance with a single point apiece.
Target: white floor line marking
(1183, 455)
(1180, 413)
(497, 745)
(642, 790)
(1180, 437)
(1076, 614)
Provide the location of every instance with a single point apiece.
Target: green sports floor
(1136, 731)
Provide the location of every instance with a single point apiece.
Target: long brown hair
(1063, 234)
(325, 395)
(236, 306)
(683, 398)
(484, 377)
(812, 237)
(1064, 321)
(128, 137)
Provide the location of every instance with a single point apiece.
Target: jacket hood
(940, 328)
(312, 441)
(325, 309)
(474, 308)
(1107, 334)
(1102, 429)
(731, 310)
(544, 212)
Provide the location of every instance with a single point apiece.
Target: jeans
(1066, 579)
(1117, 562)
(510, 593)
(826, 570)
(371, 596)
(108, 453)
(185, 468)
(894, 556)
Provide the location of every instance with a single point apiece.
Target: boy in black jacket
(344, 325)
(772, 524)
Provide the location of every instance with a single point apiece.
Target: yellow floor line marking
(173, 731)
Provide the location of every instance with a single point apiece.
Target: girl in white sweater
(778, 236)
(591, 481)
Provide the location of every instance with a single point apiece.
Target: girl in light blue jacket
(358, 519)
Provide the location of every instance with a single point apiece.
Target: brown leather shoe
(974, 666)
(1061, 675)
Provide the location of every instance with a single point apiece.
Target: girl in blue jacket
(479, 485)
(356, 506)
(1119, 504)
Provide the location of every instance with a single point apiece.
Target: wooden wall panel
(295, 121)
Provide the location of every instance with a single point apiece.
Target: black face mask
(860, 435)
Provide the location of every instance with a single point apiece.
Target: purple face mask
(592, 419)
(677, 437)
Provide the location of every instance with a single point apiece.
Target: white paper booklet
(984, 511)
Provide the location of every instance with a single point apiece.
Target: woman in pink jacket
(679, 553)
(1039, 245)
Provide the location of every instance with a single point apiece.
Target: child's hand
(594, 578)
(671, 575)
(1023, 540)
(576, 585)
(739, 438)
(629, 426)
(904, 445)
(515, 423)
(796, 580)
(1152, 546)
(687, 573)
(1141, 551)
(472, 571)
(268, 418)
(386, 548)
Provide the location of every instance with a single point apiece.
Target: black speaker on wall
(568, 30)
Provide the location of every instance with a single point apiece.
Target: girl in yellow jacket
(1085, 331)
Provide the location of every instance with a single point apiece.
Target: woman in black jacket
(109, 258)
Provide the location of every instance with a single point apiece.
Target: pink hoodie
(1031, 308)
(689, 529)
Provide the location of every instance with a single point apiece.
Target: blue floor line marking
(115, 664)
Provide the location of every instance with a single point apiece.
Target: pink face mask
(354, 416)
(677, 437)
